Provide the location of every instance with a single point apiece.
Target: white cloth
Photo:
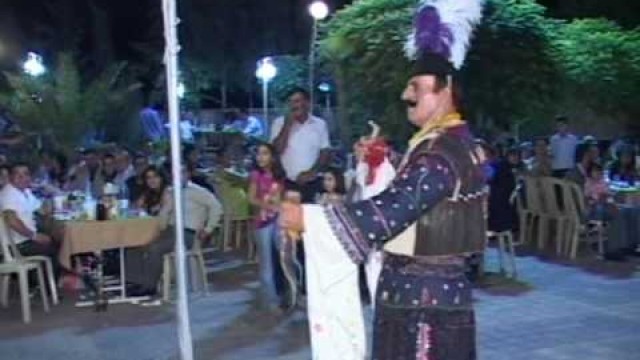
(563, 151)
(186, 130)
(24, 204)
(306, 140)
(254, 127)
(336, 322)
(384, 176)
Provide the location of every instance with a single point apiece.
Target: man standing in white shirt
(19, 206)
(302, 140)
(563, 149)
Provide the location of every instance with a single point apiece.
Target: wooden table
(97, 236)
(91, 236)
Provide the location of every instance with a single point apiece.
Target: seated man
(202, 213)
(19, 206)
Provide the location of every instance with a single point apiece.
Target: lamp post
(325, 88)
(265, 72)
(33, 65)
(318, 10)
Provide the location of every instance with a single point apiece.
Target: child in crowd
(597, 194)
(265, 192)
(333, 188)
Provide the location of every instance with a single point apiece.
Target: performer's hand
(291, 219)
(360, 148)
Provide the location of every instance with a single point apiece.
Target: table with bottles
(90, 226)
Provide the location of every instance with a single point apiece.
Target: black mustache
(410, 103)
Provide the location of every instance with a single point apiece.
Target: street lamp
(266, 71)
(33, 65)
(325, 88)
(319, 11)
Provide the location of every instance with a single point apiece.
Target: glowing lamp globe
(33, 66)
(319, 10)
(266, 70)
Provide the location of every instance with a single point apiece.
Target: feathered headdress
(441, 34)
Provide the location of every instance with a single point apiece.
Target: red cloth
(375, 155)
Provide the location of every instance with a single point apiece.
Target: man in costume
(428, 220)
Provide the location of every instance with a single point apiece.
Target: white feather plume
(461, 17)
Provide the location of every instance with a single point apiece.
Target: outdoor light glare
(266, 70)
(324, 87)
(181, 90)
(318, 10)
(33, 66)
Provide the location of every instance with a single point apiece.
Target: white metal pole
(312, 56)
(171, 64)
(265, 103)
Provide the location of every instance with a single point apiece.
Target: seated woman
(155, 192)
(624, 167)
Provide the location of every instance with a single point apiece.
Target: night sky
(29, 24)
(100, 32)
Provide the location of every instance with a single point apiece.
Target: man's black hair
(298, 90)
(18, 164)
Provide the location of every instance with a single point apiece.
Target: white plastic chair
(578, 227)
(505, 246)
(44, 261)
(13, 263)
(555, 210)
(197, 266)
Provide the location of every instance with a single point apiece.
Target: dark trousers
(50, 250)
(144, 264)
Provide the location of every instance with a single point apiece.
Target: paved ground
(583, 311)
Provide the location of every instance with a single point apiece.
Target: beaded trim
(347, 233)
(423, 342)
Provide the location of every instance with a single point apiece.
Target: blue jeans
(266, 240)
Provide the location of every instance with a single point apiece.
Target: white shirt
(306, 140)
(202, 210)
(254, 127)
(563, 151)
(186, 130)
(24, 204)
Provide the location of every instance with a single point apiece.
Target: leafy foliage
(601, 62)
(523, 67)
(61, 106)
(292, 72)
(364, 46)
(510, 75)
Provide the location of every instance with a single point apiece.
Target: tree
(601, 64)
(510, 77)
(364, 43)
(64, 108)
(363, 46)
(523, 67)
